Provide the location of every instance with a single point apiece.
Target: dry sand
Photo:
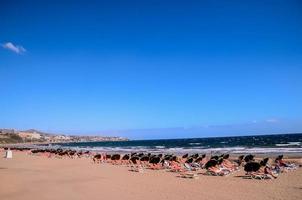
(28, 177)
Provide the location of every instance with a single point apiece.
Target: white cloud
(15, 48)
(272, 120)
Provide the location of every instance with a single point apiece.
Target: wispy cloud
(18, 49)
(272, 120)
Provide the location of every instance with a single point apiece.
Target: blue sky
(129, 68)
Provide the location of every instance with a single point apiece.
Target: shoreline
(166, 151)
(287, 154)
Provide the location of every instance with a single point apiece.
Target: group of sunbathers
(217, 165)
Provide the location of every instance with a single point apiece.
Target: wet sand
(29, 177)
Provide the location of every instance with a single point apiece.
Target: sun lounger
(261, 176)
(211, 173)
(177, 168)
(137, 169)
(220, 173)
(190, 168)
(189, 175)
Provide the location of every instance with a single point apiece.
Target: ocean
(260, 144)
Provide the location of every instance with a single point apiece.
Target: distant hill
(33, 135)
(7, 138)
(37, 131)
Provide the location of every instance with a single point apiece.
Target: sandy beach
(29, 177)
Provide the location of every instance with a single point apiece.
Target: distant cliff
(8, 136)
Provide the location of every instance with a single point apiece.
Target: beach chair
(189, 175)
(177, 168)
(138, 169)
(261, 176)
(212, 173)
(190, 167)
(219, 173)
(287, 168)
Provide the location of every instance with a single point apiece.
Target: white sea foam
(289, 144)
(194, 143)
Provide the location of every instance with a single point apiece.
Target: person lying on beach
(239, 161)
(216, 170)
(213, 168)
(100, 158)
(226, 163)
(261, 170)
(284, 166)
(176, 166)
(222, 167)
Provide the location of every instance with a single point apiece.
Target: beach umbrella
(264, 162)
(219, 161)
(145, 158)
(33, 151)
(57, 151)
(214, 158)
(211, 163)
(239, 160)
(280, 157)
(226, 156)
(249, 158)
(108, 156)
(199, 159)
(71, 153)
(133, 154)
(134, 159)
(185, 156)
(126, 157)
(167, 157)
(189, 160)
(252, 167)
(173, 158)
(154, 160)
(195, 156)
(115, 157)
(140, 155)
(97, 156)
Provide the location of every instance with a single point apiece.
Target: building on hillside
(8, 131)
(30, 136)
(61, 137)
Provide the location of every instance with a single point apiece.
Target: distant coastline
(32, 136)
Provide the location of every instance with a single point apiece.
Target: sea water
(261, 144)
